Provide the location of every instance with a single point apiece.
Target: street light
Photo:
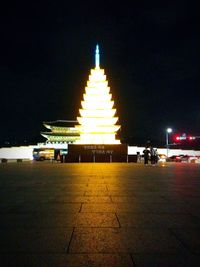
(168, 131)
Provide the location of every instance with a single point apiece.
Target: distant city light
(191, 137)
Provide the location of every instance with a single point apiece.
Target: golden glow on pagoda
(97, 124)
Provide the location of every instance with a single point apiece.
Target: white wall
(22, 152)
(132, 150)
(26, 152)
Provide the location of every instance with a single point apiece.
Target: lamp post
(168, 131)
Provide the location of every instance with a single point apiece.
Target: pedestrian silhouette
(146, 152)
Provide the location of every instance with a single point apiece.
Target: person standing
(138, 157)
(156, 156)
(153, 152)
(146, 152)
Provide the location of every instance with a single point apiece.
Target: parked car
(183, 158)
(187, 158)
(41, 154)
(175, 158)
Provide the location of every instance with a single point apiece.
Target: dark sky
(151, 56)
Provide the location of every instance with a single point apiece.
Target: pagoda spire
(97, 57)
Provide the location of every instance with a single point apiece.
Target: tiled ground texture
(97, 214)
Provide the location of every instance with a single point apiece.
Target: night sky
(151, 56)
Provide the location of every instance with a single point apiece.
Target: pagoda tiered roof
(60, 123)
(61, 131)
(97, 120)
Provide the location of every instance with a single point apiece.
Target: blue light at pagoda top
(97, 57)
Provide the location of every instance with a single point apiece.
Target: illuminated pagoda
(61, 131)
(97, 121)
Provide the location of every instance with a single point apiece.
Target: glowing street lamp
(168, 131)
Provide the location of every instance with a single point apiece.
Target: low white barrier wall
(21, 152)
(132, 150)
(26, 152)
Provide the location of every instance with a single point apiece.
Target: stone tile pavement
(99, 214)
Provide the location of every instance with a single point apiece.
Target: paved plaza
(99, 214)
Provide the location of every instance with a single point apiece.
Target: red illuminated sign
(184, 137)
